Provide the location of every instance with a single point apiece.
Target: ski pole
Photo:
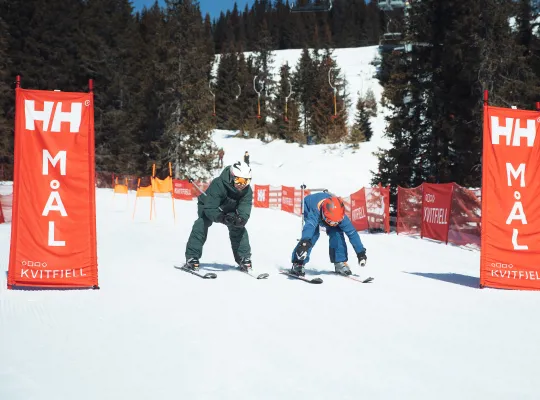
(190, 180)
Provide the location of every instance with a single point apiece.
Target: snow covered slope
(421, 330)
(336, 167)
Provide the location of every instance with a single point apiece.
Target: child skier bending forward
(323, 209)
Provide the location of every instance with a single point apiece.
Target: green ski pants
(239, 240)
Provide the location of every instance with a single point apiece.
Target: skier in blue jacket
(323, 209)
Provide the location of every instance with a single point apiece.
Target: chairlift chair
(313, 8)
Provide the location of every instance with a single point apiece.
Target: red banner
(182, 190)
(53, 230)
(510, 248)
(287, 199)
(359, 210)
(261, 196)
(436, 202)
(2, 220)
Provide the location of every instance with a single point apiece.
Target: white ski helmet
(241, 170)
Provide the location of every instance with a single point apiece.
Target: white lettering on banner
(183, 191)
(74, 116)
(430, 198)
(54, 202)
(520, 172)
(519, 132)
(54, 196)
(51, 242)
(261, 195)
(514, 130)
(47, 157)
(526, 275)
(288, 201)
(55, 273)
(358, 213)
(436, 215)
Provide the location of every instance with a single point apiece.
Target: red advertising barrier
(287, 199)
(409, 212)
(378, 208)
(436, 202)
(359, 210)
(510, 250)
(465, 217)
(261, 196)
(53, 231)
(182, 190)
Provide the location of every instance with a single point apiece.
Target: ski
(302, 278)
(357, 278)
(252, 274)
(208, 275)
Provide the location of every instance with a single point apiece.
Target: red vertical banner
(182, 190)
(53, 230)
(510, 243)
(261, 196)
(287, 199)
(436, 202)
(359, 210)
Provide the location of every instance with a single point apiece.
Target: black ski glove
(226, 219)
(362, 258)
(239, 222)
(301, 250)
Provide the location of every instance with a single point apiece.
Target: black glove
(231, 220)
(226, 219)
(362, 258)
(301, 251)
(239, 222)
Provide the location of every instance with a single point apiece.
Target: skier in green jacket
(228, 200)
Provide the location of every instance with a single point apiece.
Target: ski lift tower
(321, 6)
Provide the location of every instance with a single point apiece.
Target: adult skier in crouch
(323, 209)
(228, 200)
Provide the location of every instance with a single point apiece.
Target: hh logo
(513, 130)
(54, 110)
(261, 195)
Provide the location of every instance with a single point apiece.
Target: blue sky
(214, 7)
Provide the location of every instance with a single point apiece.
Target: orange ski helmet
(332, 211)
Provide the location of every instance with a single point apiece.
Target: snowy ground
(421, 330)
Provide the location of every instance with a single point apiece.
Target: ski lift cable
(334, 89)
(287, 101)
(258, 95)
(239, 91)
(214, 97)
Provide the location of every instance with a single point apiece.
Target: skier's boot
(342, 268)
(298, 269)
(192, 263)
(245, 264)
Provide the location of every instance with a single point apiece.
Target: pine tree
(187, 141)
(286, 122)
(263, 62)
(304, 88)
(361, 130)
(6, 103)
(329, 104)
(370, 103)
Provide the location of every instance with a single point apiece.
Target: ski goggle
(241, 181)
(330, 223)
